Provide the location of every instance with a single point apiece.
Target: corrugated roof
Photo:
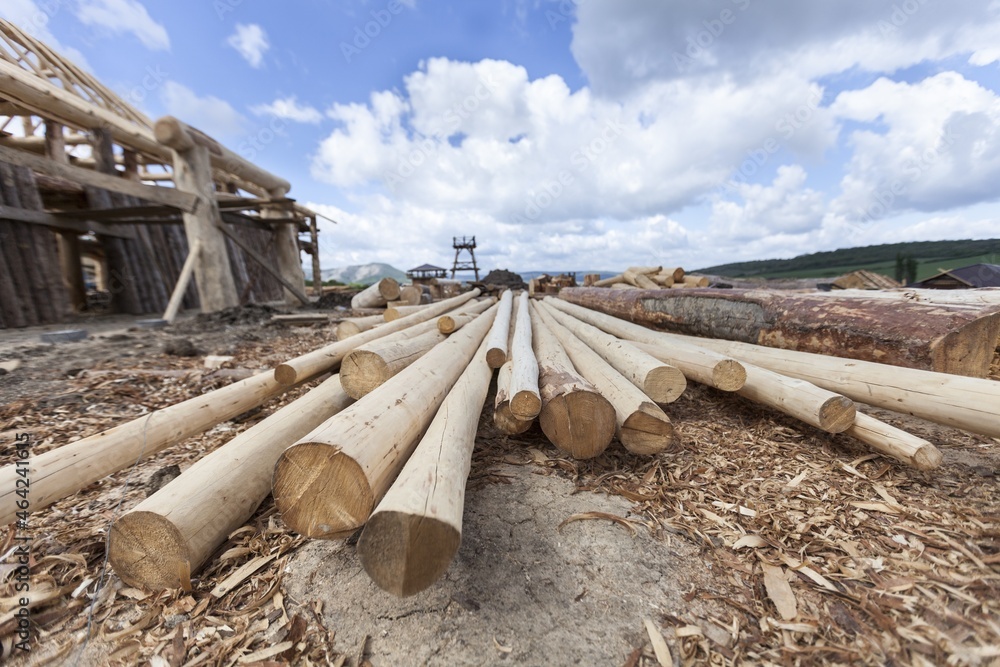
(974, 275)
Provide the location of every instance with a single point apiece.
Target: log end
(525, 405)
(346, 329)
(729, 375)
(446, 324)
(648, 431)
(580, 423)
(507, 422)
(286, 374)
(406, 553)
(969, 350)
(391, 315)
(837, 414)
(389, 289)
(361, 372)
(927, 457)
(496, 357)
(664, 384)
(147, 551)
(320, 492)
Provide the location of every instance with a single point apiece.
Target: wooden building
(967, 277)
(86, 180)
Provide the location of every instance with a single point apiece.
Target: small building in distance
(426, 272)
(967, 277)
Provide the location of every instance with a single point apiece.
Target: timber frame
(81, 169)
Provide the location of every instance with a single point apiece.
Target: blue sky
(578, 134)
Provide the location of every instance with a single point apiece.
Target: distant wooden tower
(460, 244)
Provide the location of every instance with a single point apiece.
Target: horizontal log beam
(58, 222)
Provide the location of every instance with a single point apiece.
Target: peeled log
(377, 295)
(898, 444)
(327, 484)
(967, 403)
(503, 419)
(639, 280)
(947, 339)
(449, 324)
(696, 363)
(393, 313)
(806, 402)
(496, 355)
(411, 295)
(642, 426)
(608, 282)
(372, 364)
(327, 358)
(525, 403)
(171, 534)
(660, 381)
(353, 326)
(574, 417)
(65, 470)
(414, 533)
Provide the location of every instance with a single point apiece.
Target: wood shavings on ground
(885, 564)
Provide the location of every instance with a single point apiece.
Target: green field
(931, 256)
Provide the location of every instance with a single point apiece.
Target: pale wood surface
(525, 402)
(496, 355)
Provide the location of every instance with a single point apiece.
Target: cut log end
(147, 551)
(507, 422)
(664, 384)
(362, 372)
(525, 405)
(648, 431)
(580, 423)
(837, 414)
(389, 289)
(346, 329)
(927, 457)
(729, 375)
(320, 492)
(286, 374)
(404, 553)
(391, 315)
(447, 324)
(496, 357)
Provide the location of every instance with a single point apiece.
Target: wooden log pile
(392, 460)
(647, 277)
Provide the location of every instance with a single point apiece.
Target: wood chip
(660, 647)
(265, 653)
(241, 575)
(779, 591)
(587, 516)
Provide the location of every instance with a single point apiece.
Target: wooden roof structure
(967, 277)
(78, 160)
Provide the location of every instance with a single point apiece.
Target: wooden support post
(329, 357)
(69, 243)
(214, 277)
(414, 533)
(316, 269)
(169, 536)
(286, 243)
(643, 427)
(525, 402)
(496, 355)
(660, 381)
(327, 484)
(183, 280)
(574, 417)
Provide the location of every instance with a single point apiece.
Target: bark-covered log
(950, 339)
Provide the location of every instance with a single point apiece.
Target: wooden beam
(58, 222)
(496, 355)
(525, 401)
(177, 297)
(254, 255)
(168, 196)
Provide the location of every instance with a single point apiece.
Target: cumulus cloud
(209, 114)
(124, 16)
(250, 41)
(289, 108)
(785, 206)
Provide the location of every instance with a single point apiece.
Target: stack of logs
(647, 277)
(386, 444)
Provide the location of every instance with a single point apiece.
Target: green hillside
(930, 256)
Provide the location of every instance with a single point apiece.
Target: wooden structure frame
(78, 162)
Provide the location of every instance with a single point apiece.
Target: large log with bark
(327, 484)
(945, 338)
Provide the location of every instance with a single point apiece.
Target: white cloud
(250, 41)
(209, 114)
(34, 19)
(288, 108)
(783, 207)
(124, 16)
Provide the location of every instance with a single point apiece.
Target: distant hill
(930, 256)
(365, 274)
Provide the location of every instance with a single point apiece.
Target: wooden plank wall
(142, 271)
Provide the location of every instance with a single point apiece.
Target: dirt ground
(561, 561)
